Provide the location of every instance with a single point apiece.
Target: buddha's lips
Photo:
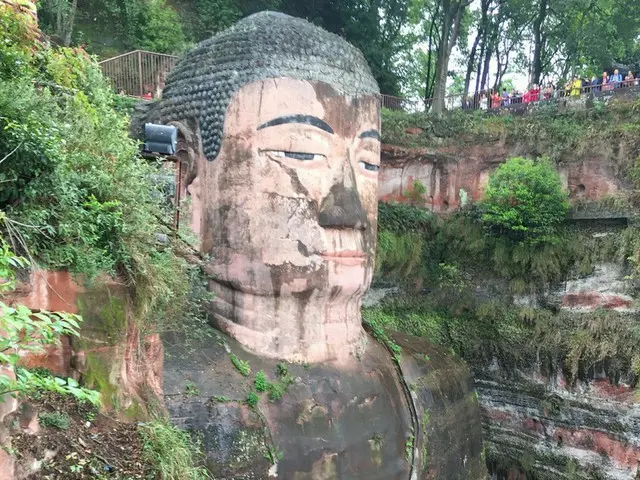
(345, 257)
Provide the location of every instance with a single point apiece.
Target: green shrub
(241, 365)
(56, 420)
(276, 390)
(260, 382)
(171, 451)
(74, 194)
(525, 201)
(252, 399)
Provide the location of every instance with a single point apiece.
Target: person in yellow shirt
(576, 87)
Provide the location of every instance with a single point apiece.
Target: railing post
(140, 72)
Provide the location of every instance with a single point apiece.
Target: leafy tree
(160, 29)
(213, 16)
(525, 200)
(58, 17)
(76, 194)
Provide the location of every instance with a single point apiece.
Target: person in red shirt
(534, 93)
(495, 100)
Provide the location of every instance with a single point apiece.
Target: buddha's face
(290, 202)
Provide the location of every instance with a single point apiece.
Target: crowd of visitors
(573, 88)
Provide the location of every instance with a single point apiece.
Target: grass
(242, 366)
(56, 420)
(171, 452)
(191, 390)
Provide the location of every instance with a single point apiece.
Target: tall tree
(57, 17)
(452, 11)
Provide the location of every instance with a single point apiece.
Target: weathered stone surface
(109, 354)
(448, 171)
(335, 421)
(448, 443)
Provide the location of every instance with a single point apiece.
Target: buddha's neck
(306, 327)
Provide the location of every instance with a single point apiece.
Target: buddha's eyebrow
(304, 119)
(371, 134)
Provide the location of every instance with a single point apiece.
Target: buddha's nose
(342, 208)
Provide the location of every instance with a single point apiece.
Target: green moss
(99, 376)
(247, 446)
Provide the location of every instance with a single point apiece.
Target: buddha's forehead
(263, 101)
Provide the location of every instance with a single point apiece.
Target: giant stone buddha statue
(279, 123)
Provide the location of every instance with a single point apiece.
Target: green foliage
(283, 370)
(525, 201)
(241, 365)
(408, 447)
(160, 28)
(273, 455)
(378, 328)
(276, 391)
(252, 399)
(400, 218)
(191, 390)
(34, 383)
(260, 382)
(79, 197)
(213, 16)
(56, 420)
(172, 452)
(27, 331)
(401, 234)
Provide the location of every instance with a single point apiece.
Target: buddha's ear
(188, 150)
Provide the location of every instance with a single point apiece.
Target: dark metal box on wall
(161, 139)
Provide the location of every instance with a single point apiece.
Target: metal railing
(487, 100)
(138, 73)
(143, 74)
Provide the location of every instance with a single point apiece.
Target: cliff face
(558, 390)
(541, 418)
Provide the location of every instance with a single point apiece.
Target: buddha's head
(284, 118)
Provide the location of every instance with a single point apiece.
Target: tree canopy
(423, 49)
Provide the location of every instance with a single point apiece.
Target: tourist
(629, 80)
(505, 97)
(484, 100)
(466, 104)
(576, 87)
(547, 92)
(604, 81)
(495, 100)
(534, 93)
(616, 79)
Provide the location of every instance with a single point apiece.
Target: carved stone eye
(369, 166)
(302, 156)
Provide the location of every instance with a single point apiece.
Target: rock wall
(455, 174)
(110, 354)
(540, 419)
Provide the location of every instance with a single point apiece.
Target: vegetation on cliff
(501, 279)
(547, 130)
(525, 201)
(74, 194)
